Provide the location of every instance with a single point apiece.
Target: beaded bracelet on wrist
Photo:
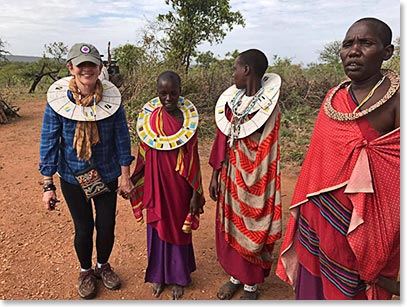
(48, 180)
(49, 187)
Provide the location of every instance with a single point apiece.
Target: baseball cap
(83, 52)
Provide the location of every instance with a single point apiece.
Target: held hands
(125, 188)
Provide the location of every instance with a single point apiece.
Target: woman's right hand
(49, 198)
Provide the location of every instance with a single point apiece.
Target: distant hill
(23, 58)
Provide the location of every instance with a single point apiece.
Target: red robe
(170, 176)
(351, 183)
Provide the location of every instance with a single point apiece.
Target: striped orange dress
(248, 220)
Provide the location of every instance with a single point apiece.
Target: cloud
(296, 29)
(299, 29)
(27, 25)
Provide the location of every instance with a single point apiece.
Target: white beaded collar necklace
(59, 101)
(264, 102)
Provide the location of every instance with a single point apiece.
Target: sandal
(227, 290)
(249, 293)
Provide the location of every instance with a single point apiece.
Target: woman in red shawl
(168, 185)
(343, 237)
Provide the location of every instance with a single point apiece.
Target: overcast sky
(297, 29)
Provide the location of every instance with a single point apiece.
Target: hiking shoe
(87, 284)
(109, 278)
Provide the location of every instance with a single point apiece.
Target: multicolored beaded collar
(59, 101)
(167, 142)
(336, 115)
(266, 100)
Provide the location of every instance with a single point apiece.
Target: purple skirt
(309, 287)
(168, 263)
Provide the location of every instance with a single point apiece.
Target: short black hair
(169, 75)
(256, 59)
(383, 30)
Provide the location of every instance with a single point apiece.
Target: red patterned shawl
(249, 199)
(340, 156)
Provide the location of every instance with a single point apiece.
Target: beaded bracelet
(48, 180)
(49, 187)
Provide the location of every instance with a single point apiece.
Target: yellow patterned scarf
(86, 133)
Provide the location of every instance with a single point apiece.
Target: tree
(394, 62)
(205, 59)
(50, 66)
(330, 54)
(193, 22)
(129, 56)
(3, 51)
(397, 46)
(57, 51)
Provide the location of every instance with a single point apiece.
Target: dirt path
(37, 255)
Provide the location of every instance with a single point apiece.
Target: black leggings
(82, 215)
